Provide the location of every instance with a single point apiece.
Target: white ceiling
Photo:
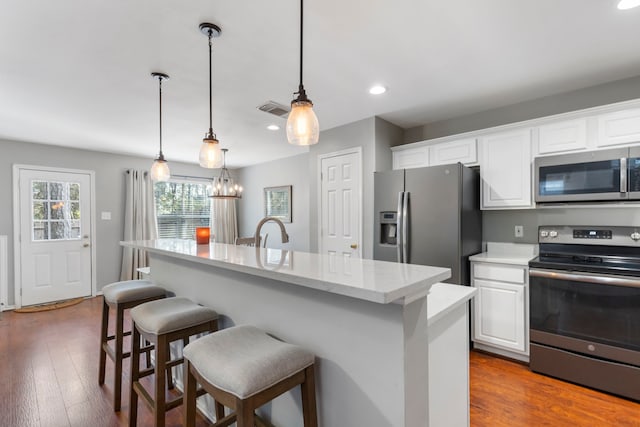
(76, 72)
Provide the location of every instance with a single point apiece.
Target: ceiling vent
(274, 108)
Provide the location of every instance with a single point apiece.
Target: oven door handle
(598, 279)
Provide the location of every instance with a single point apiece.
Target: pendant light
(302, 124)
(210, 153)
(160, 168)
(223, 186)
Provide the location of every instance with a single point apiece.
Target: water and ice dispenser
(388, 228)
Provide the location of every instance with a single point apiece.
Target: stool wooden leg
(135, 376)
(244, 412)
(117, 389)
(103, 340)
(309, 410)
(170, 384)
(159, 408)
(189, 397)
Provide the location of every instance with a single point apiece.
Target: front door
(55, 226)
(341, 204)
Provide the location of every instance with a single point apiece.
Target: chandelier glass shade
(224, 187)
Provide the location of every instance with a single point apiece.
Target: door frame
(321, 157)
(17, 249)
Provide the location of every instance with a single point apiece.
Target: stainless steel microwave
(605, 175)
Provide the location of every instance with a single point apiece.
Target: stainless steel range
(585, 307)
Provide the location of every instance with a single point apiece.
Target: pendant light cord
(210, 85)
(301, 27)
(160, 93)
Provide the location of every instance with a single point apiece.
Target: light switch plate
(105, 216)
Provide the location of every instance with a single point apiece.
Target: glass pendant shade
(210, 153)
(302, 124)
(160, 170)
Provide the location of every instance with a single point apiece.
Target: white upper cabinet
(563, 136)
(621, 127)
(411, 158)
(505, 170)
(463, 151)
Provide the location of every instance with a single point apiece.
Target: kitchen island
(365, 320)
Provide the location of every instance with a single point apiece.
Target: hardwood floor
(49, 368)
(49, 372)
(508, 394)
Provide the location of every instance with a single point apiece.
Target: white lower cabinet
(501, 309)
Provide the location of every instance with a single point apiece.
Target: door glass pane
(57, 230)
(74, 191)
(40, 210)
(39, 190)
(55, 210)
(40, 230)
(56, 190)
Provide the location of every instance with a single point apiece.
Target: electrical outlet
(519, 231)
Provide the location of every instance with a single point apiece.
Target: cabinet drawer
(499, 272)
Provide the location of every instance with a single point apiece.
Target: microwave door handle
(623, 175)
(399, 226)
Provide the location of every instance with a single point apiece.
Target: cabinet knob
(354, 246)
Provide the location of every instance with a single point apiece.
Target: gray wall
(608, 93)
(498, 225)
(375, 137)
(289, 171)
(109, 186)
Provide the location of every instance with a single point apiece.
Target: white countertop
(370, 280)
(444, 298)
(507, 253)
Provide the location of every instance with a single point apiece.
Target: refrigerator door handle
(405, 228)
(399, 226)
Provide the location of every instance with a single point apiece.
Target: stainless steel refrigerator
(429, 216)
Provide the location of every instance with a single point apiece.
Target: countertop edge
(410, 292)
(443, 298)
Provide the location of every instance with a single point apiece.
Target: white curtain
(139, 221)
(225, 221)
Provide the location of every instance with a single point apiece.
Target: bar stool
(243, 368)
(162, 322)
(121, 296)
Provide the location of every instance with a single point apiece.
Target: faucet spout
(283, 232)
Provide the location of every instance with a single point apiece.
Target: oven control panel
(590, 235)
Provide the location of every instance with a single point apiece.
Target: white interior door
(341, 206)
(54, 235)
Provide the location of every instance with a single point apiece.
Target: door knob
(354, 246)
(86, 245)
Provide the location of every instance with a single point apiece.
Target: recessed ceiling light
(628, 4)
(273, 127)
(377, 90)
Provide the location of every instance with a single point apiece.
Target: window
(181, 206)
(55, 210)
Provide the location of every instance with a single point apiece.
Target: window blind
(181, 206)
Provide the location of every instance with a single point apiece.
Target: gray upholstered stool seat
(162, 322)
(131, 290)
(121, 296)
(169, 315)
(243, 368)
(244, 360)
